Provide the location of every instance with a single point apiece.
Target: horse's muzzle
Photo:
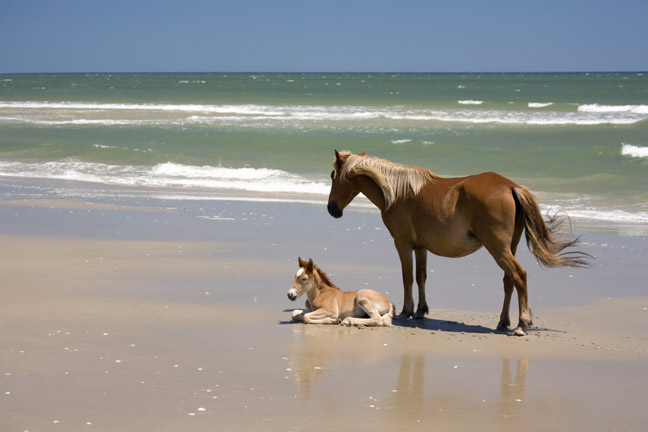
(292, 295)
(334, 210)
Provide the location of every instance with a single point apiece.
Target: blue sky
(323, 36)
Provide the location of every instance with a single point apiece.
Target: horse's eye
(333, 175)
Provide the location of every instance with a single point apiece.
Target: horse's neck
(372, 191)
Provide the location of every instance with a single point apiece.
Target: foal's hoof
(297, 315)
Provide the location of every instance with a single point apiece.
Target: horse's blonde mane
(394, 180)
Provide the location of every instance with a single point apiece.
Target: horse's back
(488, 193)
(489, 182)
(450, 214)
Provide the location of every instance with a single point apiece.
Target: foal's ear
(363, 153)
(301, 262)
(310, 265)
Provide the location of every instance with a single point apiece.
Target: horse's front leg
(405, 255)
(421, 276)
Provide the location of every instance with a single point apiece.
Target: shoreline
(168, 315)
(51, 192)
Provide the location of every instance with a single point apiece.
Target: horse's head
(342, 189)
(304, 279)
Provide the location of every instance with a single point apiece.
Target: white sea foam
(610, 216)
(634, 151)
(596, 108)
(190, 182)
(122, 114)
(470, 102)
(540, 104)
(169, 175)
(401, 141)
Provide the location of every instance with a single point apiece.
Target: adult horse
(453, 217)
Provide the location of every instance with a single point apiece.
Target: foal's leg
(405, 255)
(367, 306)
(320, 316)
(421, 276)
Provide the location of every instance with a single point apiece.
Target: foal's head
(305, 279)
(308, 277)
(342, 189)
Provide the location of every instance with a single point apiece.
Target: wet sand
(171, 315)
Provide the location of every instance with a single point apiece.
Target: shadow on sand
(443, 325)
(429, 324)
(446, 326)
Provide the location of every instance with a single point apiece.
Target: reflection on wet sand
(417, 386)
(317, 347)
(512, 388)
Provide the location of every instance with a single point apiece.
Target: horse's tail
(544, 238)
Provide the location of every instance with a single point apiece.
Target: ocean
(578, 140)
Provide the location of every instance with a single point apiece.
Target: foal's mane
(324, 277)
(396, 181)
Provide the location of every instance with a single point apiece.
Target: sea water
(578, 140)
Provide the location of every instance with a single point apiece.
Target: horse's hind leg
(516, 274)
(505, 320)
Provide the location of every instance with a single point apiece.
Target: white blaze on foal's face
(299, 285)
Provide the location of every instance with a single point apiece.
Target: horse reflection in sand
(453, 217)
(327, 304)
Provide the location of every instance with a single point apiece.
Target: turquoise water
(580, 141)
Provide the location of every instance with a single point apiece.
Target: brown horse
(327, 304)
(453, 217)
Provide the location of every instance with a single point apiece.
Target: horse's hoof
(519, 332)
(502, 328)
(403, 316)
(419, 315)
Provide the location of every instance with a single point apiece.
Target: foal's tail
(389, 316)
(544, 238)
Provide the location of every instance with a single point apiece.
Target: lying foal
(327, 304)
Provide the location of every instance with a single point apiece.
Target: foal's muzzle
(334, 210)
(292, 295)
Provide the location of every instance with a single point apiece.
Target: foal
(327, 304)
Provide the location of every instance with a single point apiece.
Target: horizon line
(327, 72)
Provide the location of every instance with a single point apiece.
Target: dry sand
(170, 316)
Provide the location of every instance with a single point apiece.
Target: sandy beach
(172, 315)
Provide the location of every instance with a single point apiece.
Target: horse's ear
(310, 265)
(301, 262)
(363, 153)
(339, 159)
